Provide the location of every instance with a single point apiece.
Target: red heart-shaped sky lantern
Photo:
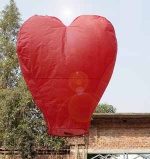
(67, 69)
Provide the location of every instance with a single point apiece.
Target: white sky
(129, 88)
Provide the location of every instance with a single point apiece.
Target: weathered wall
(111, 133)
(40, 157)
(120, 133)
(124, 132)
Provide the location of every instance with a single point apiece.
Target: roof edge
(120, 115)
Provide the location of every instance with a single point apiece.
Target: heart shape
(67, 69)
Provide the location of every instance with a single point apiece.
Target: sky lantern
(67, 69)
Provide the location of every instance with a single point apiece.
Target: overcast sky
(129, 88)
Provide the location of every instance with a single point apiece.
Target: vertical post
(76, 151)
(86, 142)
(124, 156)
(127, 156)
(83, 152)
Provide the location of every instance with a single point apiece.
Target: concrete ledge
(112, 151)
(120, 115)
(115, 151)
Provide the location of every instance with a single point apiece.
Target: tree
(105, 108)
(22, 126)
(9, 26)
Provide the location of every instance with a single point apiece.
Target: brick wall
(111, 133)
(118, 132)
(40, 157)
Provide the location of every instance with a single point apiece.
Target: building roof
(120, 115)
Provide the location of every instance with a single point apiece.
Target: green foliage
(22, 126)
(105, 108)
(9, 26)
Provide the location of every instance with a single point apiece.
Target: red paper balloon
(67, 69)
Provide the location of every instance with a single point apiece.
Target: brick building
(110, 134)
(118, 133)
